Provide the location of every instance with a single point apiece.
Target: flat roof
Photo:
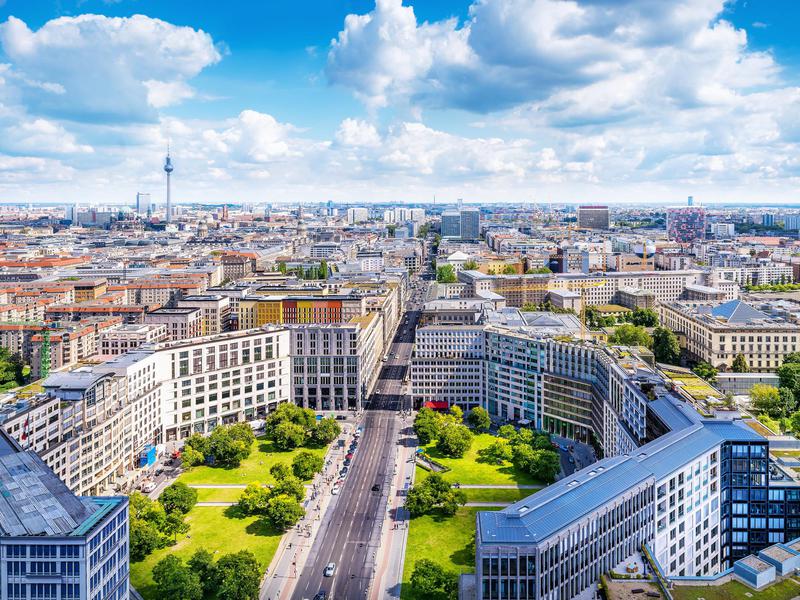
(35, 502)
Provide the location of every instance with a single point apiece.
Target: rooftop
(34, 501)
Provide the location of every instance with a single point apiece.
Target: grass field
(218, 494)
(496, 495)
(445, 540)
(218, 530)
(254, 469)
(471, 470)
(783, 590)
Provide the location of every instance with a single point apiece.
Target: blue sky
(518, 100)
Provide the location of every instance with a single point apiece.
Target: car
(376, 487)
(335, 490)
(348, 456)
(159, 471)
(321, 595)
(148, 486)
(341, 417)
(329, 569)
(346, 462)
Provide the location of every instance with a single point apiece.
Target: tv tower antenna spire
(168, 168)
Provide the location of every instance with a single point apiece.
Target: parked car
(335, 490)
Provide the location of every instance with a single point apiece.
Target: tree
(178, 497)
(306, 464)
(767, 399)
(454, 440)
(522, 457)
(144, 538)
(283, 511)
(238, 576)
(456, 414)
(509, 270)
(770, 423)
(288, 435)
(427, 425)
(644, 317)
(191, 457)
(665, 346)
(174, 525)
(432, 581)
(789, 376)
(794, 422)
(323, 269)
(788, 400)
(546, 465)
(706, 371)
(539, 271)
(198, 442)
(499, 451)
(478, 419)
(325, 432)
(446, 274)
(507, 431)
(434, 493)
(792, 357)
(740, 364)
(289, 486)
(254, 499)
(470, 265)
(202, 564)
(175, 581)
(226, 449)
(630, 335)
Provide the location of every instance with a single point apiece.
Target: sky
(614, 101)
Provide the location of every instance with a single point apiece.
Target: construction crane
(571, 286)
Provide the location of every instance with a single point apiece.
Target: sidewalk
(295, 545)
(394, 535)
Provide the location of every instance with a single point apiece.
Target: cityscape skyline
(635, 103)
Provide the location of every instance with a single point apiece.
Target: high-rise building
(690, 201)
(142, 203)
(593, 217)
(357, 215)
(451, 224)
(686, 224)
(470, 223)
(768, 219)
(54, 544)
(791, 222)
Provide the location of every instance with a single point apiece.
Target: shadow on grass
(260, 527)
(234, 512)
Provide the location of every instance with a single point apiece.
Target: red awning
(437, 405)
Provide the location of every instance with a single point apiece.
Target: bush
(455, 440)
(434, 494)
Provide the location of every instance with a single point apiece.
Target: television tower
(168, 168)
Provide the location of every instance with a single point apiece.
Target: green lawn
(254, 469)
(218, 530)
(470, 470)
(445, 540)
(496, 495)
(218, 494)
(783, 590)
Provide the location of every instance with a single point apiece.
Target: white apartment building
(357, 215)
(93, 424)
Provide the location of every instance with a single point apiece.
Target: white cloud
(101, 69)
(354, 132)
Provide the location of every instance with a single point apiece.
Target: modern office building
(686, 224)
(182, 323)
(53, 544)
(768, 219)
(334, 367)
(593, 217)
(470, 223)
(698, 493)
(791, 222)
(142, 203)
(451, 224)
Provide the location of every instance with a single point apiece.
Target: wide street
(350, 532)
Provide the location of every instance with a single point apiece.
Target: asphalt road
(350, 532)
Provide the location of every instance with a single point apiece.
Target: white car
(335, 491)
(328, 572)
